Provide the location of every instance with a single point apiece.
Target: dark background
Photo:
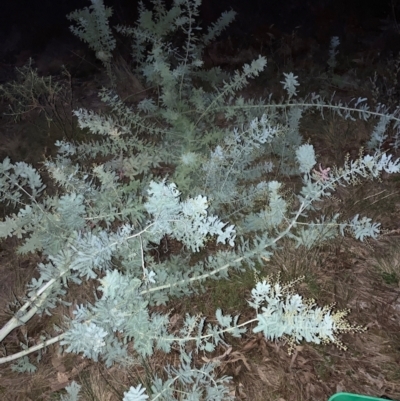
(40, 29)
(28, 26)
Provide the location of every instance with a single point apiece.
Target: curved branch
(31, 349)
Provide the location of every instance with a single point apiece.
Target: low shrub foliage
(168, 168)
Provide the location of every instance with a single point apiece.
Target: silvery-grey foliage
(116, 201)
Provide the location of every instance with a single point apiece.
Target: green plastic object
(353, 397)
